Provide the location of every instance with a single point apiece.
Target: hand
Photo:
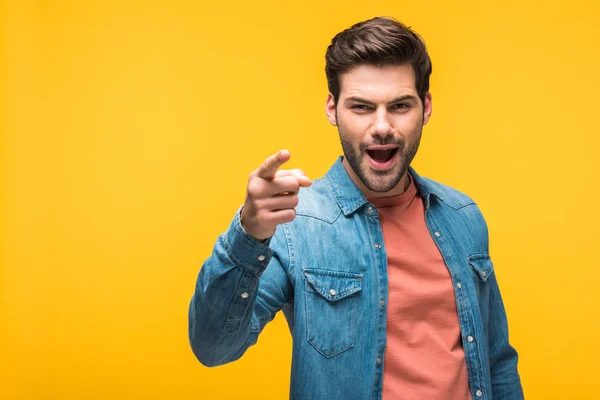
(271, 196)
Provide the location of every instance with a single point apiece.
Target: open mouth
(382, 156)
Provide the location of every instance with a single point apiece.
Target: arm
(506, 383)
(240, 288)
(236, 293)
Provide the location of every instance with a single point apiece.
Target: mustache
(383, 142)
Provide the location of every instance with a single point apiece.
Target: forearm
(221, 309)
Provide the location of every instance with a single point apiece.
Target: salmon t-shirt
(424, 357)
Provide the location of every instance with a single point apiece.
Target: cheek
(409, 124)
(352, 126)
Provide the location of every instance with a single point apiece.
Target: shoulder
(317, 202)
(459, 209)
(446, 194)
(453, 198)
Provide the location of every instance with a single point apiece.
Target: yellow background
(128, 129)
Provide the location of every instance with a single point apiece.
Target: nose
(381, 126)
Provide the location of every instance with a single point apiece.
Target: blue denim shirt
(327, 272)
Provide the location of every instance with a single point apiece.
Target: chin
(383, 181)
(380, 184)
(383, 188)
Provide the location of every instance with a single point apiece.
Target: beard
(374, 180)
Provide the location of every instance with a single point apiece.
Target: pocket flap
(333, 285)
(482, 263)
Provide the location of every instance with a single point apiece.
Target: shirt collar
(349, 197)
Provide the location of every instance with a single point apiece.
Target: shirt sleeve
(239, 289)
(503, 358)
(506, 383)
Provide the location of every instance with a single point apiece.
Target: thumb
(304, 181)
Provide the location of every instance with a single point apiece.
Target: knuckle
(261, 217)
(258, 203)
(254, 187)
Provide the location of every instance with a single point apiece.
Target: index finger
(268, 169)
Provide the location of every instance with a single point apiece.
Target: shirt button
(483, 273)
(437, 234)
(470, 339)
(382, 303)
(377, 246)
(378, 360)
(459, 285)
(261, 258)
(370, 210)
(244, 295)
(479, 393)
(332, 292)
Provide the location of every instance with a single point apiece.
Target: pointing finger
(268, 169)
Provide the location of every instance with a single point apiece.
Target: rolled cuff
(245, 250)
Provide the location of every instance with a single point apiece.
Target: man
(384, 276)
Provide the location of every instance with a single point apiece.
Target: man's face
(380, 118)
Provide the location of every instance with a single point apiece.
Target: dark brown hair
(378, 41)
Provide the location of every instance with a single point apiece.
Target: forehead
(378, 82)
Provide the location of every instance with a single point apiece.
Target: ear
(427, 108)
(330, 110)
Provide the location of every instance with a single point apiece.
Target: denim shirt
(327, 272)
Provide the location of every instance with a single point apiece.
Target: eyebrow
(396, 100)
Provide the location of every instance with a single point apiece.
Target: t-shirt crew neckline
(397, 200)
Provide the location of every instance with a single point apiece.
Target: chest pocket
(482, 271)
(482, 265)
(332, 299)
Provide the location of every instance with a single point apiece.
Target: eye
(360, 107)
(400, 106)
